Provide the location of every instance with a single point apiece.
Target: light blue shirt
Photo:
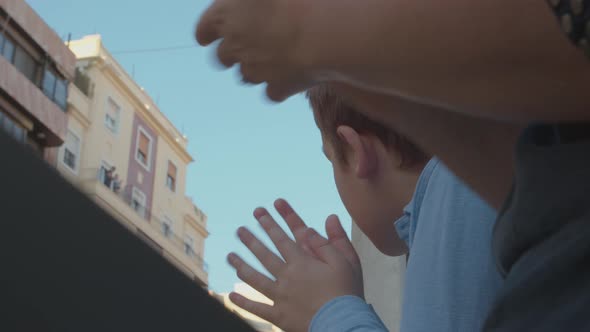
(451, 278)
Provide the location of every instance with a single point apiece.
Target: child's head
(375, 169)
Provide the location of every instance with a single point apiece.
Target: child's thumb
(339, 239)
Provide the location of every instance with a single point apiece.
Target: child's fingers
(322, 248)
(281, 240)
(261, 310)
(339, 239)
(295, 223)
(249, 275)
(269, 260)
(312, 247)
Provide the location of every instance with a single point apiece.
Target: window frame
(175, 180)
(13, 45)
(106, 165)
(61, 103)
(21, 53)
(114, 129)
(56, 79)
(43, 85)
(166, 221)
(8, 125)
(189, 243)
(76, 169)
(148, 164)
(136, 192)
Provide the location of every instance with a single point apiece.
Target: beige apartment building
(35, 70)
(124, 152)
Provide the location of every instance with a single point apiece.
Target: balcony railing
(125, 194)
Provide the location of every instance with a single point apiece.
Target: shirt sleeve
(347, 314)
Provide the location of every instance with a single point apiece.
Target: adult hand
(262, 37)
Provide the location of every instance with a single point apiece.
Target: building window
(189, 244)
(70, 159)
(20, 58)
(144, 148)
(103, 174)
(138, 202)
(167, 227)
(83, 82)
(61, 94)
(71, 151)
(171, 176)
(7, 49)
(111, 120)
(55, 88)
(12, 128)
(25, 64)
(48, 84)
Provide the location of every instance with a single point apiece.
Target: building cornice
(143, 103)
(196, 225)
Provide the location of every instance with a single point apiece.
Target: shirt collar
(402, 225)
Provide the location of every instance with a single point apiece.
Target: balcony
(140, 220)
(30, 98)
(196, 215)
(78, 101)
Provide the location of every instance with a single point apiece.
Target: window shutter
(113, 109)
(72, 143)
(171, 170)
(144, 144)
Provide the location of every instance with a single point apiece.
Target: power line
(155, 50)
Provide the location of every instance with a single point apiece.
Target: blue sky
(248, 151)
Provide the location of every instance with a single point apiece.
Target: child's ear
(362, 153)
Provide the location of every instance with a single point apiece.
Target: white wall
(383, 277)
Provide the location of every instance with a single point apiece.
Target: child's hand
(306, 279)
(336, 234)
(261, 36)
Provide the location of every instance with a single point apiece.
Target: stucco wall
(383, 277)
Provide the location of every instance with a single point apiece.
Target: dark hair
(330, 112)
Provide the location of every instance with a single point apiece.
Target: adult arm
(500, 59)
(477, 150)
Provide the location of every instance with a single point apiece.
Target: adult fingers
(208, 27)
